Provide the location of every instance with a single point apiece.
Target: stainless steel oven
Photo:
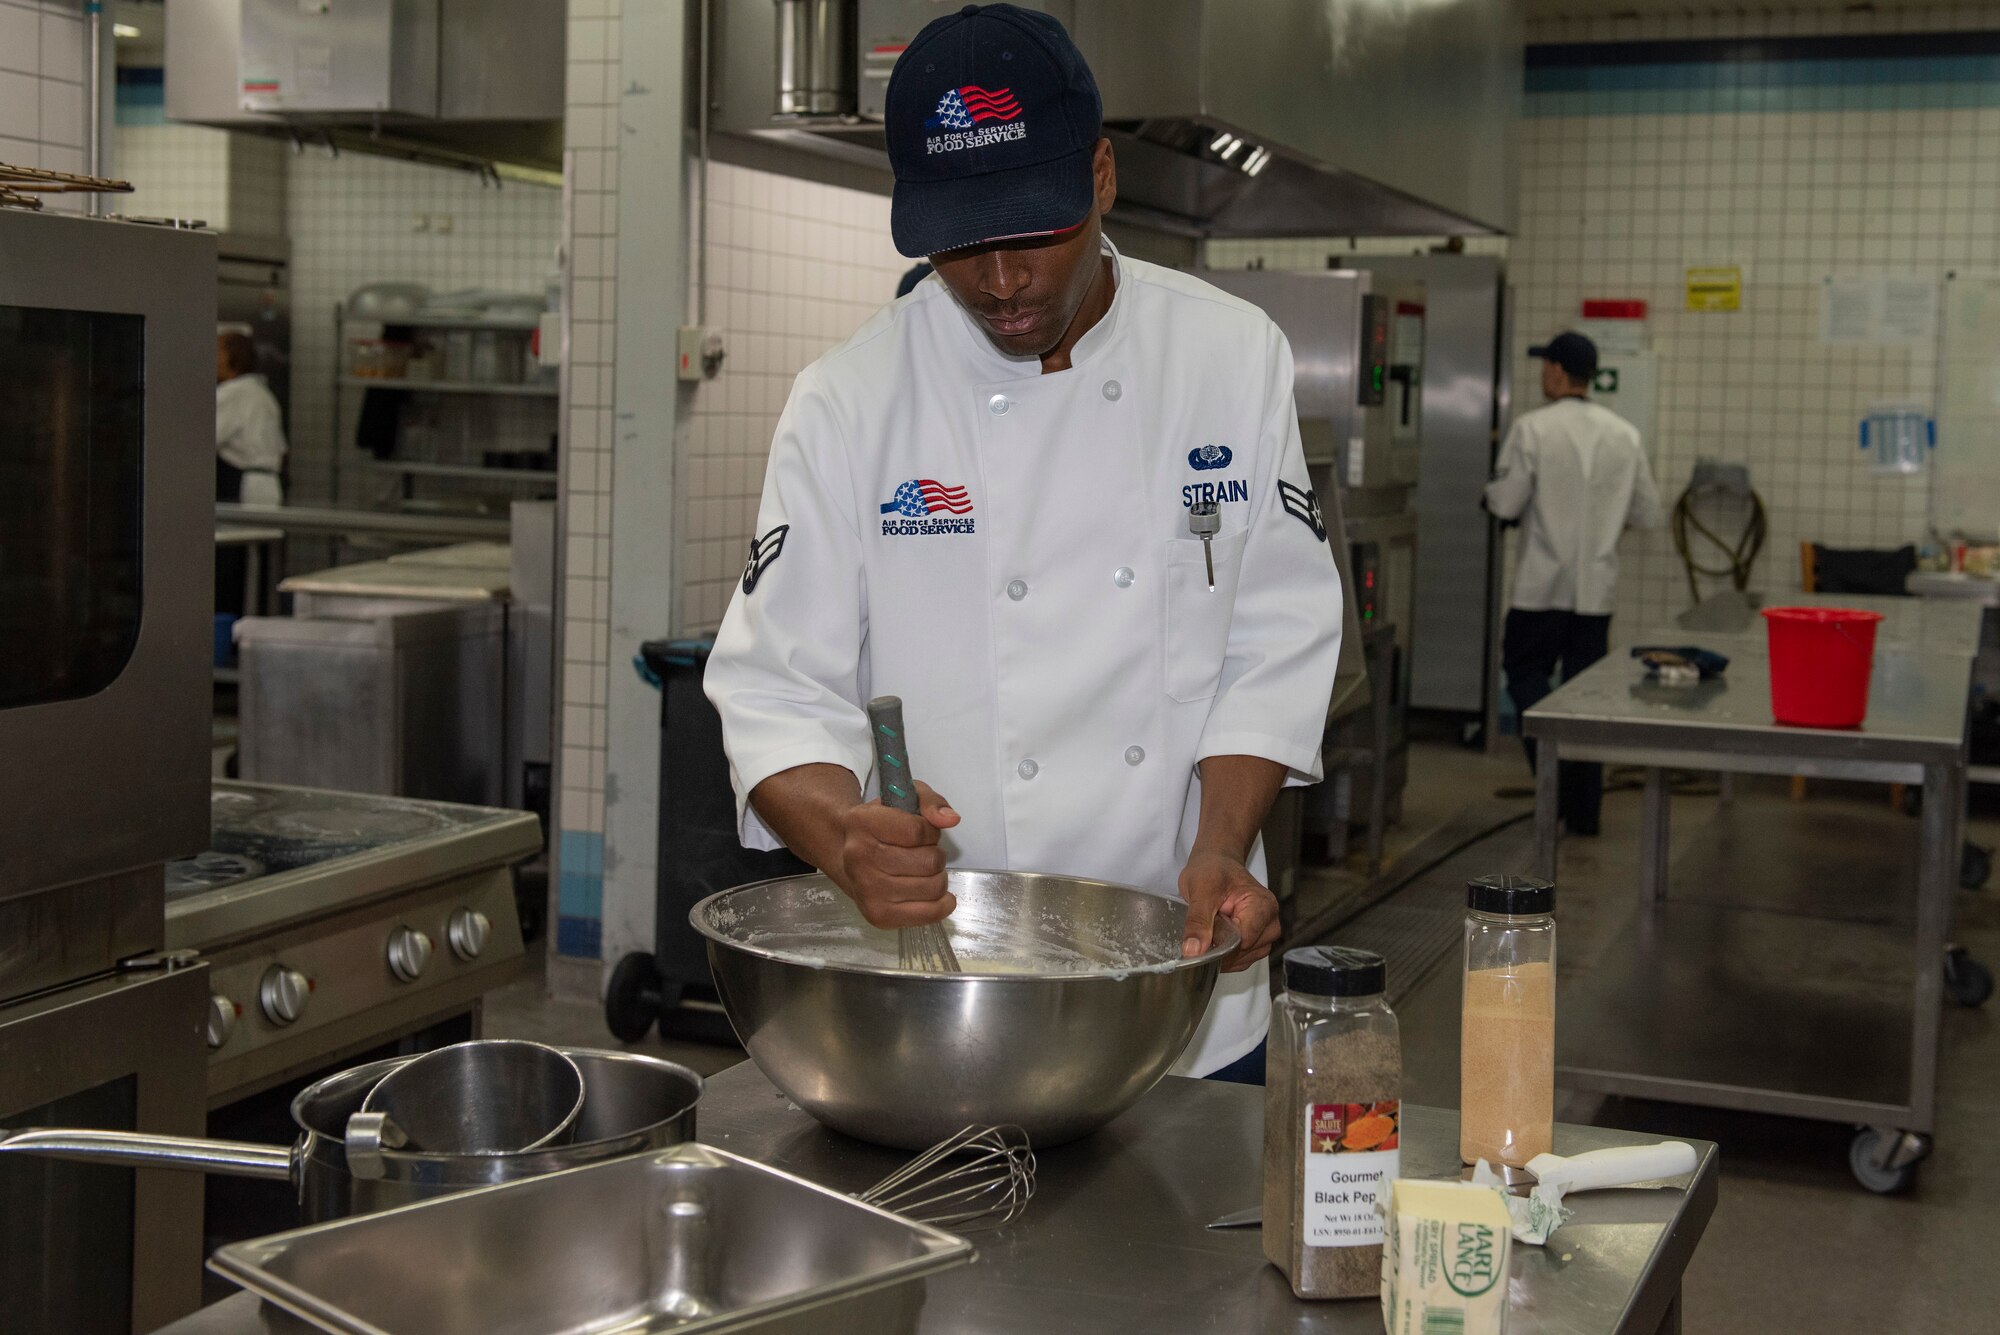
(107, 337)
(106, 538)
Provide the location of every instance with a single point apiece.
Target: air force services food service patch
(924, 506)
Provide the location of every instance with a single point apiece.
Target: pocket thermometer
(1205, 521)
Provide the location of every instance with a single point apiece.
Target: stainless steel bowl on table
(1073, 1002)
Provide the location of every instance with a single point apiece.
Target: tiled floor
(1794, 1245)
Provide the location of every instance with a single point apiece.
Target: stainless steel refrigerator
(1455, 616)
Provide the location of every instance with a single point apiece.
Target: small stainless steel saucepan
(631, 1104)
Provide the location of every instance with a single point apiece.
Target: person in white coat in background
(981, 502)
(249, 451)
(249, 426)
(1574, 475)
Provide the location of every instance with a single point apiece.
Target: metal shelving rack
(409, 470)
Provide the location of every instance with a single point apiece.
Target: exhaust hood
(1229, 118)
(454, 79)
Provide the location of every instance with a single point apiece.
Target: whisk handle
(892, 753)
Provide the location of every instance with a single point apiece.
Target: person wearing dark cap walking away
(984, 502)
(1574, 475)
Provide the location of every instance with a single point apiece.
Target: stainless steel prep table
(1114, 1239)
(1694, 961)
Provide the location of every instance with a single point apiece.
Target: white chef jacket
(1009, 552)
(1578, 472)
(250, 434)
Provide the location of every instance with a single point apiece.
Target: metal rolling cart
(1810, 988)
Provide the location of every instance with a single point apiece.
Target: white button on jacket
(899, 497)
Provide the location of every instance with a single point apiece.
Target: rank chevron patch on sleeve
(1303, 505)
(763, 551)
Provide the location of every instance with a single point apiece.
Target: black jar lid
(1335, 971)
(1515, 896)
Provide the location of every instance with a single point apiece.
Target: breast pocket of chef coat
(1198, 616)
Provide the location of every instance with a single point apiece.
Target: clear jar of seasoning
(1507, 1039)
(1332, 1120)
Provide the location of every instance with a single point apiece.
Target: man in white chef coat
(1575, 475)
(249, 451)
(981, 502)
(249, 427)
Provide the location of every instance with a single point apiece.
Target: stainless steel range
(335, 922)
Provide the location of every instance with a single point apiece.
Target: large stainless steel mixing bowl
(906, 1059)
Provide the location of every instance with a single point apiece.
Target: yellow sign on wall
(1717, 288)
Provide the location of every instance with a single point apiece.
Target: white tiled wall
(176, 171)
(590, 147)
(43, 88)
(794, 268)
(353, 220)
(1620, 205)
(233, 182)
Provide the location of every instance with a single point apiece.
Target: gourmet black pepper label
(1352, 1153)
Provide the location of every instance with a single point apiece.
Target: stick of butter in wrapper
(1444, 1259)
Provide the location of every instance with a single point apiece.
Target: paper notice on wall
(1877, 311)
(1846, 309)
(1909, 310)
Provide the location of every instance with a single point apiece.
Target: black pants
(1531, 648)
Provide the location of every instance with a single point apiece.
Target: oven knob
(284, 993)
(221, 1024)
(469, 930)
(409, 953)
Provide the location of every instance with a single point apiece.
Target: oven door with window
(107, 441)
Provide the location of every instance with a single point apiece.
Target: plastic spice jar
(1332, 1121)
(1507, 1039)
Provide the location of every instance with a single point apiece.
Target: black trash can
(699, 855)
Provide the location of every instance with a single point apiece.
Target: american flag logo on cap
(961, 108)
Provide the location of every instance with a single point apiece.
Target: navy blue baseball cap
(992, 119)
(1572, 351)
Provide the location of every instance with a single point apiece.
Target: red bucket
(1820, 661)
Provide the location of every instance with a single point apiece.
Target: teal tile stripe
(580, 889)
(1721, 87)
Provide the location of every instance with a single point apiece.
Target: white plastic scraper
(1537, 1212)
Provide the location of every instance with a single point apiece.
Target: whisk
(926, 949)
(979, 1178)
